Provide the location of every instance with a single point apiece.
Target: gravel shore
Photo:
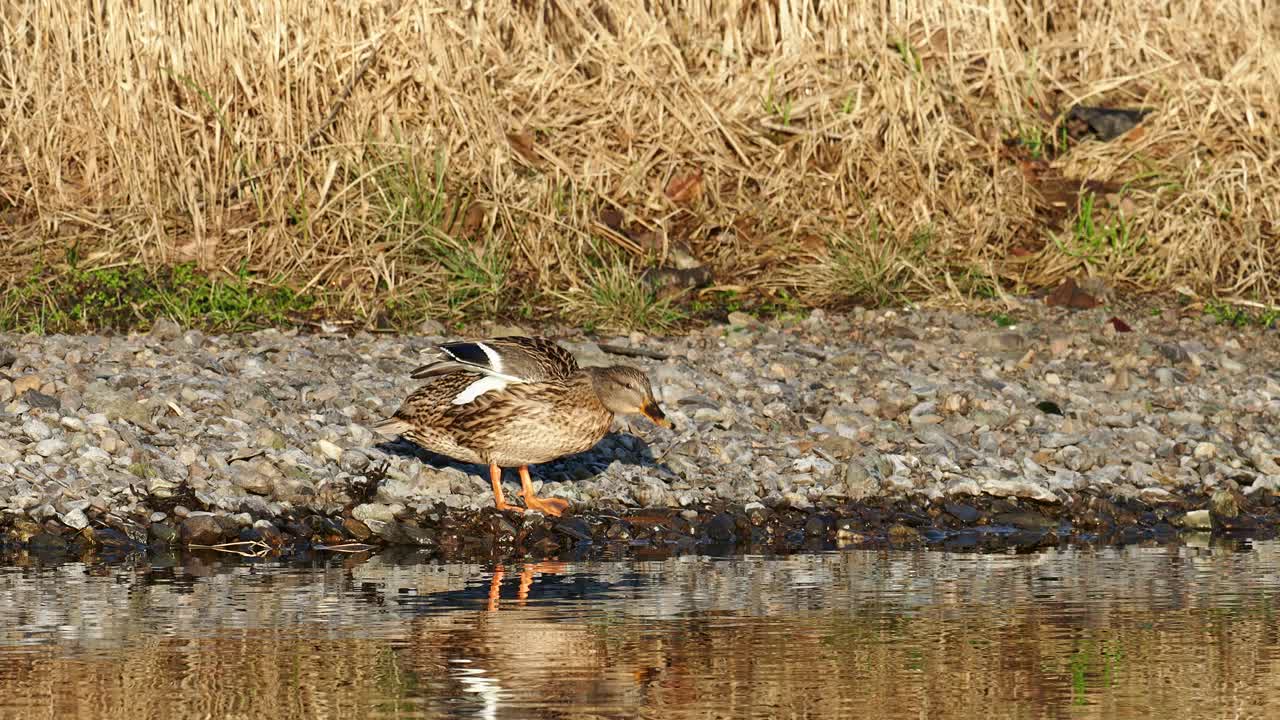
(885, 427)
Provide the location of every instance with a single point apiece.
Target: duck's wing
(515, 359)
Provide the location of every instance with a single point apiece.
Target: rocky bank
(899, 427)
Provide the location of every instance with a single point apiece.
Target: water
(1171, 631)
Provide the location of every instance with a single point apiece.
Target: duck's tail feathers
(393, 426)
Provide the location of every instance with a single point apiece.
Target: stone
(1197, 520)
(201, 530)
(24, 383)
(1205, 451)
(721, 528)
(40, 400)
(36, 430)
(1020, 488)
(329, 450)
(51, 447)
(378, 512)
(75, 519)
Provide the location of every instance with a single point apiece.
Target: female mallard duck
(517, 401)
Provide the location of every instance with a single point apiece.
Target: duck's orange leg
(495, 476)
(548, 506)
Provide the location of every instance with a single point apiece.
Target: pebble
(51, 447)
(36, 430)
(331, 451)
(75, 519)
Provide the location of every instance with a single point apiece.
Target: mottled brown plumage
(515, 402)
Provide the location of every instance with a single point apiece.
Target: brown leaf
(1069, 295)
(612, 218)
(1120, 325)
(686, 188)
(473, 220)
(647, 239)
(523, 144)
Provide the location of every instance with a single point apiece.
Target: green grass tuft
(77, 300)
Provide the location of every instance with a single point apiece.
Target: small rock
(51, 447)
(201, 530)
(1223, 505)
(331, 451)
(36, 430)
(1197, 520)
(966, 514)
(353, 461)
(165, 329)
(162, 533)
(1205, 451)
(1021, 488)
(721, 528)
(25, 383)
(378, 512)
(43, 401)
(75, 519)
(1174, 352)
(1059, 440)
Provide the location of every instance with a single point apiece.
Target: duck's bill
(654, 413)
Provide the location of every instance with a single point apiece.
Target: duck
(517, 401)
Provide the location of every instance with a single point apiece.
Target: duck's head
(626, 390)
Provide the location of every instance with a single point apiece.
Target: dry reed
(504, 156)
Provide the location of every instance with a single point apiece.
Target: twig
(234, 548)
(633, 352)
(346, 547)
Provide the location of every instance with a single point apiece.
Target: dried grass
(831, 139)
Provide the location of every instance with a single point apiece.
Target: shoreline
(980, 524)
(1062, 426)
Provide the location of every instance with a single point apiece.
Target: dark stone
(1238, 522)
(109, 538)
(37, 399)
(418, 536)
(162, 533)
(966, 514)
(201, 530)
(576, 528)
(1025, 519)
(721, 528)
(46, 542)
(1104, 122)
(1174, 353)
(1025, 538)
(962, 541)
(394, 534)
(817, 526)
